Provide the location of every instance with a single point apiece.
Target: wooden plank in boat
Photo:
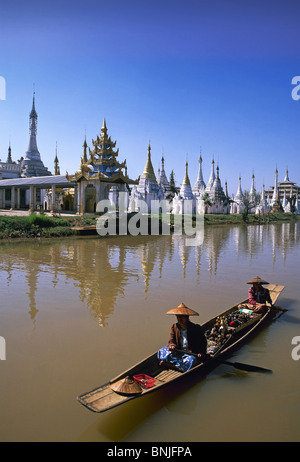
(275, 291)
(104, 399)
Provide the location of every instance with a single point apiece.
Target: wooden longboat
(104, 398)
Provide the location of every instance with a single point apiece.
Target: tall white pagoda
(263, 206)
(199, 186)
(163, 181)
(147, 189)
(32, 164)
(217, 197)
(211, 178)
(237, 205)
(180, 204)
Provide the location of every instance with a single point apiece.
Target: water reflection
(101, 269)
(32, 283)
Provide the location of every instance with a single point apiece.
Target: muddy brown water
(75, 313)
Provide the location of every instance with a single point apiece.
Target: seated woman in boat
(186, 337)
(258, 295)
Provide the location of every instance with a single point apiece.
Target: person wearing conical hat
(259, 295)
(186, 337)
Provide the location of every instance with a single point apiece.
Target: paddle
(244, 367)
(236, 365)
(278, 308)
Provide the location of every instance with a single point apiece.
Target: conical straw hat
(126, 386)
(257, 279)
(183, 310)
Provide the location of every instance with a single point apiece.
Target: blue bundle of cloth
(182, 361)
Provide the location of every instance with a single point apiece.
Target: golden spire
(148, 170)
(186, 179)
(103, 135)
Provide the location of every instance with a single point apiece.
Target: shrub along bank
(263, 218)
(33, 226)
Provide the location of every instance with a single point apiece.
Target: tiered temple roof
(163, 180)
(101, 163)
(281, 188)
(216, 191)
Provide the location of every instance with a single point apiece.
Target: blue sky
(211, 75)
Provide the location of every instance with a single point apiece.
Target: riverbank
(23, 225)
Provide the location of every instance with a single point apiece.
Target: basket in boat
(144, 380)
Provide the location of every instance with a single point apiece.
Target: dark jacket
(196, 338)
(262, 297)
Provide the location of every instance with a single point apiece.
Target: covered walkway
(13, 191)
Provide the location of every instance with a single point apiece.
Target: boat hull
(103, 398)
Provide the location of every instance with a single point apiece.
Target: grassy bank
(250, 219)
(32, 226)
(42, 226)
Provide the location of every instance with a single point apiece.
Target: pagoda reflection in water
(99, 270)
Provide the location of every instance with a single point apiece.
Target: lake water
(75, 313)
